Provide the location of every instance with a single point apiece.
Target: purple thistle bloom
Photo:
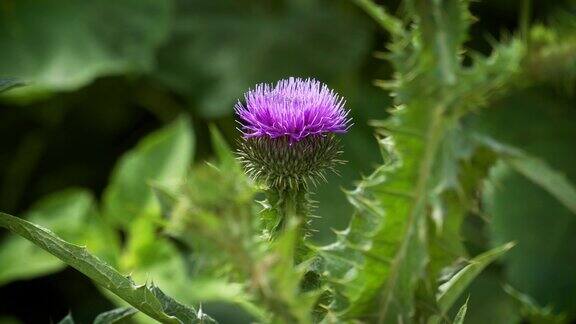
(295, 108)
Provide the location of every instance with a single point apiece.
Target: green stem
(291, 207)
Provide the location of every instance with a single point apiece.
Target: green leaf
(58, 53)
(384, 255)
(536, 170)
(115, 315)
(383, 249)
(553, 181)
(523, 212)
(489, 76)
(459, 319)
(149, 300)
(443, 27)
(388, 22)
(71, 214)
(539, 125)
(162, 158)
(290, 305)
(109, 317)
(380, 259)
(486, 293)
(67, 320)
(226, 158)
(453, 288)
(534, 313)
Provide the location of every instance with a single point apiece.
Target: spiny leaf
(459, 319)
(453, 288)
(115, 315)
(386, 244)
(148, 300)
(364, 255)
(490, 75)
(443, 25)
(389, 23)
(71, 214)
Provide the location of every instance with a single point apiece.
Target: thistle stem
(291, 205)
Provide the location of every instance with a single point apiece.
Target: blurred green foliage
(81, 157)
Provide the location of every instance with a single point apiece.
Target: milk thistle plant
(207, 238)
(289, 142)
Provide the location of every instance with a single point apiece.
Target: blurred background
(103, 74)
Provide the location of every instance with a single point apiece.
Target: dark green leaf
(540, 125)
(553, 181)
(537, 171)
(523, 212)
(59, 53)
(534, 313)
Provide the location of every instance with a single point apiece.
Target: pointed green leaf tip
(459, 319)
(453, 288)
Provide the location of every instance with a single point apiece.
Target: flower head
(289, 132)
(294, 108)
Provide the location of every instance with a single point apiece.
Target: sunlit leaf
(451, 290)
(115, 315)
(161, 158)
(148, 299)
(461, 315)
(71, 214)
(67, 320)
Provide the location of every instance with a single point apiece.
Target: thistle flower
(289, 132)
